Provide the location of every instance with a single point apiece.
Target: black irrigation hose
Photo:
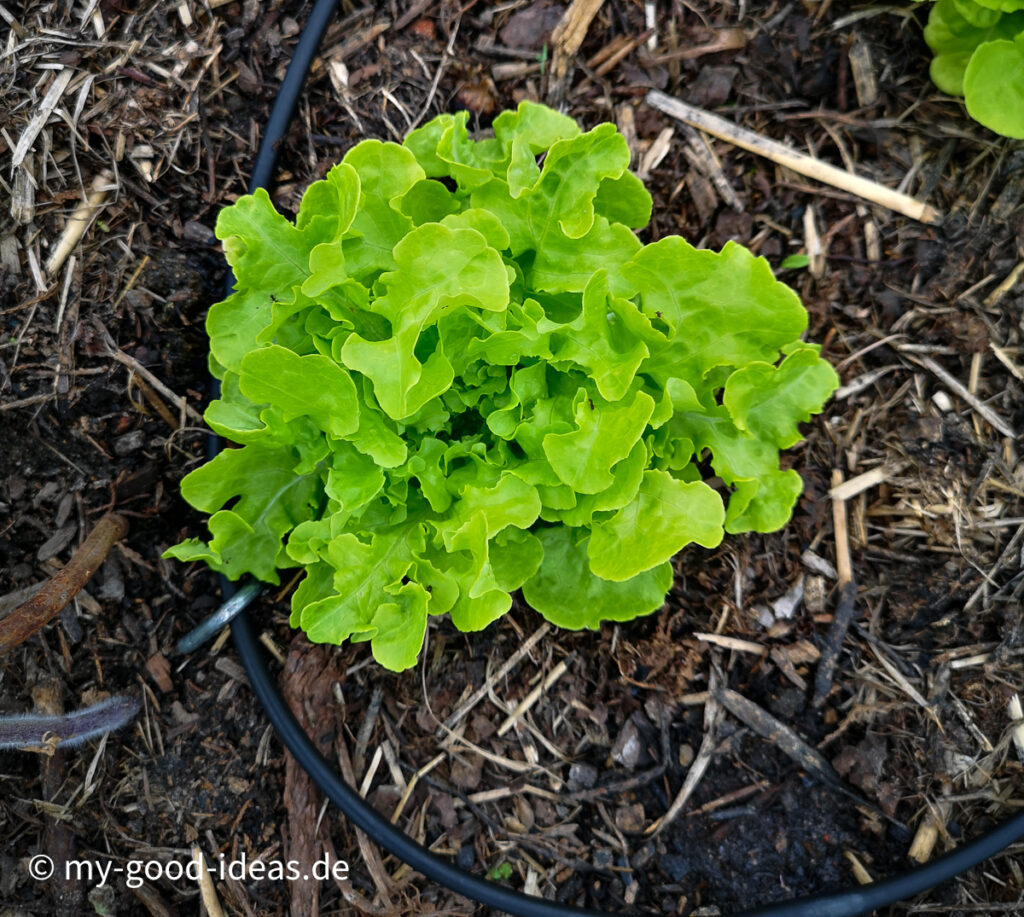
(847, 903)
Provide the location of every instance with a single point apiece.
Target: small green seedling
(460, 373)
(501, 873)
(795, 262)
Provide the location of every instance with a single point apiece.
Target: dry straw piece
(792, 159)
(79, 221)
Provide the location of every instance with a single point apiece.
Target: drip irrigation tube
(846, 903)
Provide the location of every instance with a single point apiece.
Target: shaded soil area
(158, 110)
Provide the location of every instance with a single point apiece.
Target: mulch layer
(672, 765)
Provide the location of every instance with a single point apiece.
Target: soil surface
(157, 109)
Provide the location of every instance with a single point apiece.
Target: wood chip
(864, 80)
(159, 668)
(566, 40)
(932, 826)
(42, 115)
(656, 152)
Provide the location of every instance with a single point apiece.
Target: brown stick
(64, 585)
(59, 838)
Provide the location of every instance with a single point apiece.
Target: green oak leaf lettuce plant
(979, 54)
(459, 373)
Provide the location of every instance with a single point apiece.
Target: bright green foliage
(979, 54)
(460, 373)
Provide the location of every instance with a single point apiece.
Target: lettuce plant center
(459, 373)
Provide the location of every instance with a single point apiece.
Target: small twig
(480, 693)
(712, 714)
(834, 642)
(778, 733)
(114, 351)
(961, 390)
(64, 585)
(1008, 553)
(527, 702)
(449, 53)
(731, 39)
(792, 159)
(844, 565)
(732, 643)
(616, 57)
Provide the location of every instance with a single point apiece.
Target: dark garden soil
(573, 798)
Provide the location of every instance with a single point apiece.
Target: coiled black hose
(847, 903)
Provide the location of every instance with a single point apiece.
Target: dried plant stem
(793, 159)
(79, 221)
(64, 585)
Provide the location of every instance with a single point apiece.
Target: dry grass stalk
(527, 702)
(844, 565)
(928, 832)
(1016, 714)
(1008, 284)
(850, 489)
(206, 890)
(861, 874)
(813, 244)
(732, 643)
(367, 849)
(962, 391)
(1003, 357)
(712, 716)
(792, 159)
(79, 221)
(42, 115)
(411, 785)
(460, 712)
